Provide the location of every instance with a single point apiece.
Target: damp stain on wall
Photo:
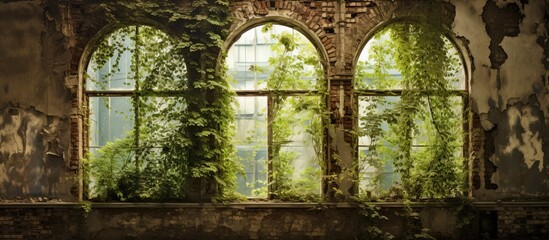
(32, 160)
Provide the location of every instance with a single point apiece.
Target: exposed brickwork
(477, 138)
(317, 16)
(523, 223)
(500, 22)
(25, 224)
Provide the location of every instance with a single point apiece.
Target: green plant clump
(179, 148)
(419, 131)
(294, 65)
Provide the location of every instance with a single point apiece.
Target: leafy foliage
(371, 219)
(288, 112)
(171, 104)
(416, 125)
(294, 119)
(419, 130)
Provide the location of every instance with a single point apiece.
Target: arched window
(411, 92)
(279, 136)
(134, 84)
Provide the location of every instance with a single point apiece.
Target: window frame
(134, 94)
(463, 93)
(269, 95)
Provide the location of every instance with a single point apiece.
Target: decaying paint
(32, 157)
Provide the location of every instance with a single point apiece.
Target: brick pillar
(76, 128)
(340, 184)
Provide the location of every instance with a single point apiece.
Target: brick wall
(523, 222)
(490, 220)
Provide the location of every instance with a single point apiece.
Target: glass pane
(251, 145)
(297, 144)
(153, 60)
(375, 161)
(376, 68)
(111, 118)
(257, 54)
(160, 121)
(111, 144)
(377, 146)
(115, 73)
(161, 63)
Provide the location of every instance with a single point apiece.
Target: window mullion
(136, 118)
(270, 171)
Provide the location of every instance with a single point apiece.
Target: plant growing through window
(134, 84)
(411, 93)
(279, 84)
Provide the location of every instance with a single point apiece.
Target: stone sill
(272, 205)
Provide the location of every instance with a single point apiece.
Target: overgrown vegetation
(415, 124)
(171, 105)
(294, 65)
(411, 118)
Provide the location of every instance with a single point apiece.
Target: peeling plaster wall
(33, 59)
(509, 88)
(34, 103)
(32, 156)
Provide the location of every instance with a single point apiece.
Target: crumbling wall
(32, 154)
(507, 41)
(34, 104)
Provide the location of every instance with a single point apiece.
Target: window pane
(116, 73)
(377, 147)
(111, 118)
(159, 121)
(376, 67)
(153, 59)
(297, 144)
(111, 146)
(251, 145)
(375, 161)
(252, 59)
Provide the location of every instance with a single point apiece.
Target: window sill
(270, 205)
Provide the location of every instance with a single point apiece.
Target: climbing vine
(291, 56)
(296, 119)
(419, 129)
(411, 116)
(179, 148)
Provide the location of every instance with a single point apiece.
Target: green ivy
(181, 140)
(291, 59)
(424, 114)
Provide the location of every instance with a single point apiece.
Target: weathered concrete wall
(34, 104)
(512, 220)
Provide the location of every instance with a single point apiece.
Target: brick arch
(461, 48)
(387, 13)
(312, 24)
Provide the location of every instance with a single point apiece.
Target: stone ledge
(272, 205)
